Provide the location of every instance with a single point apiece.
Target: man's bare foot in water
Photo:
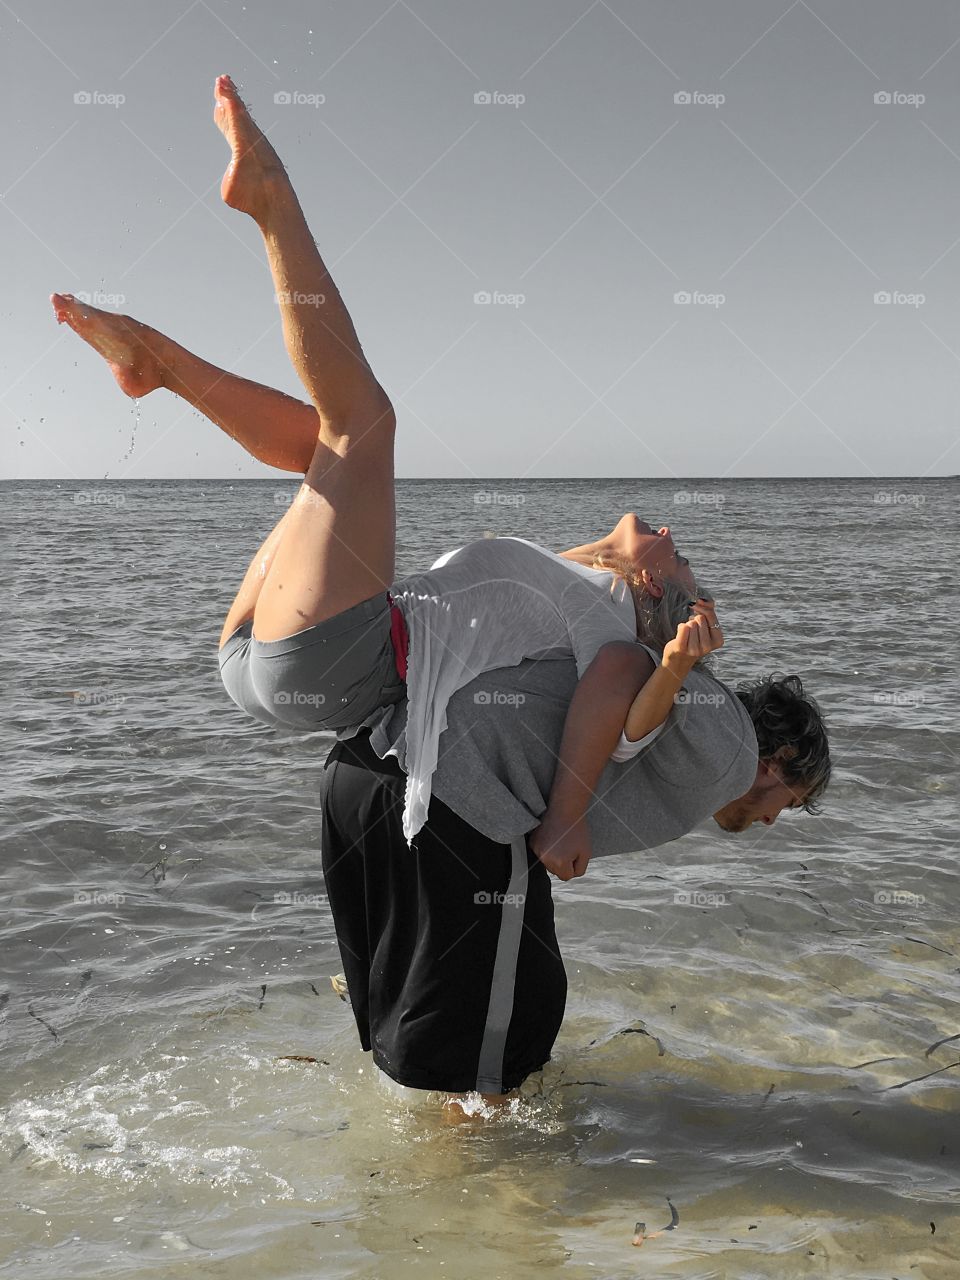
(137, 355)
(255, 172)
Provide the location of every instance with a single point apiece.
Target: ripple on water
(159, 1125)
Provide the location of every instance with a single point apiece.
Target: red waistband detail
(399, 638)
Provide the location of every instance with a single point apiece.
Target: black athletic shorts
(448, 946)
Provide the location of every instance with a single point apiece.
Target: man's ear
(650, 584)
(773, 765)
(783, 754)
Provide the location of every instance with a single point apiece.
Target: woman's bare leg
(343, 524)
(339, 537)
(276, 428)
(320, 338)
(245, 604)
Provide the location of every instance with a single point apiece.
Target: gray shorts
(330, 676)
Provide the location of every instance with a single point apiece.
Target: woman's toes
(254, 164)
(129, 347)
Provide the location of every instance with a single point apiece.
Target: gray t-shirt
(498, 755)
(487, 605)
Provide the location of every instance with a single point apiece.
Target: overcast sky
(583, 198)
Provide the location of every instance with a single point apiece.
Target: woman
(333, 632)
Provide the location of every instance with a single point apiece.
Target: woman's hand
(561, 845)
(696, 638)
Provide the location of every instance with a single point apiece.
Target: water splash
(136, 427)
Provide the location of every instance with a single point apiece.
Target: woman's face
(651, 551)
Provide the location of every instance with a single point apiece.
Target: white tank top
(492, 604)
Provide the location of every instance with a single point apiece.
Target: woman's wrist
(678, 665)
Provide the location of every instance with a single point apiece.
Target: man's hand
(563, 846)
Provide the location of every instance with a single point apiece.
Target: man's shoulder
(709, 733)
(704, 757)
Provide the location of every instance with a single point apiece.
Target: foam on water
(131, 1126)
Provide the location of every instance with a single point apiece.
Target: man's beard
(733, 822)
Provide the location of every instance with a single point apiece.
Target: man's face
(764, 802)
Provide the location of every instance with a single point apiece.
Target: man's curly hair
(790, 729)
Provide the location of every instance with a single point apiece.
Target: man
(449, 946)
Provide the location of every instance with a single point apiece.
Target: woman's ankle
(169, 358)
(277, 203)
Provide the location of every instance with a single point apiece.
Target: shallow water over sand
(166, 937)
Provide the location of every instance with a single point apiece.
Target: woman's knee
(370, 422)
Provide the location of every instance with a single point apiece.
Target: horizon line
(292, 478)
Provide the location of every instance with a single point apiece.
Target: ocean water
(166, 942)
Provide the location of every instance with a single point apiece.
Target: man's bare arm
(595, 720)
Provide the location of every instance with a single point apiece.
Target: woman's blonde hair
(657, 616)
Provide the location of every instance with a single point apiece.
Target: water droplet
(133, 434)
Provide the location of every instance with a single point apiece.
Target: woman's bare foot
(134, 352)
(255, 170)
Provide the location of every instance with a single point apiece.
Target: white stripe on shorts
(500, 1008)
